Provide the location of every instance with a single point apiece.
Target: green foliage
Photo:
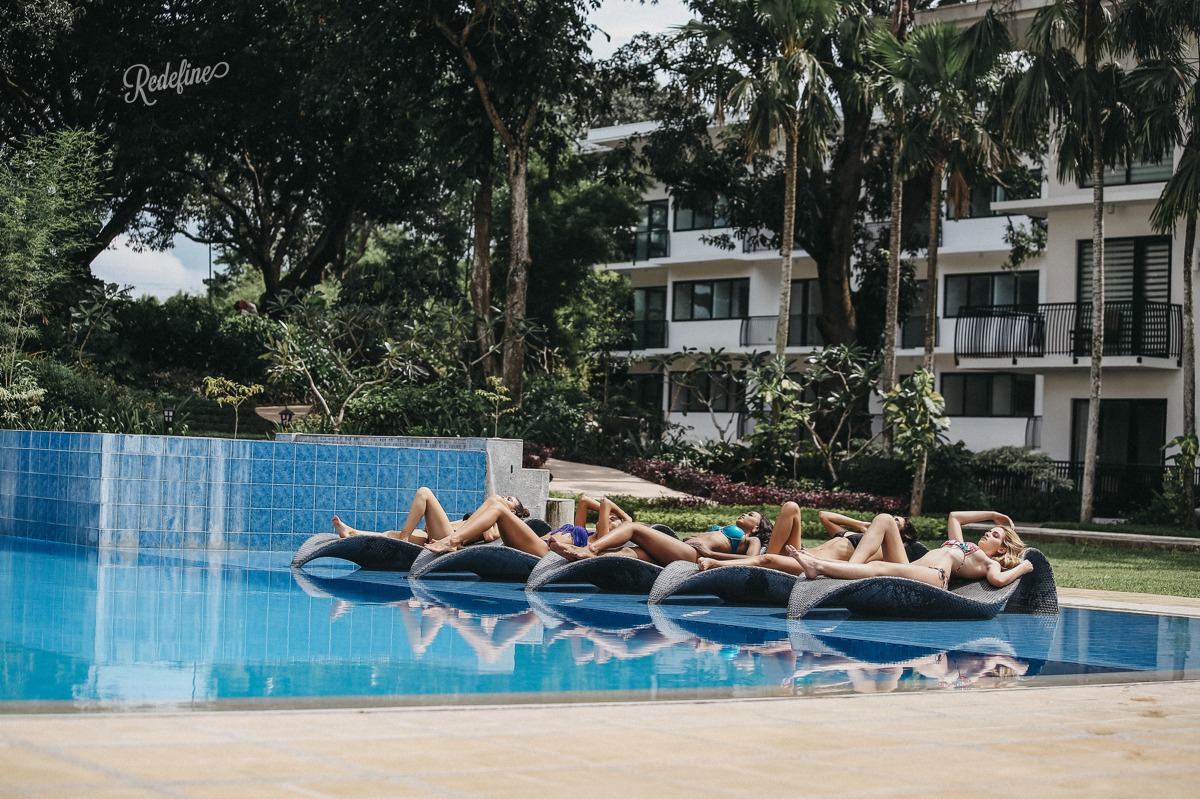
(917, 412)
(498, 401)
(94, 317)
(1172, 505)
(20, 399)
(48, 205)
(442, 408)
(224, 391)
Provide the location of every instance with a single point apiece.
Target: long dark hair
(764, 530)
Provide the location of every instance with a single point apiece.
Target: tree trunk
(839, 325)
(517, 287)
(917, 502)
(892, 304)
(789, 228)
(1087, 490)
(1189, 357)
(481, 271)
(931, 261)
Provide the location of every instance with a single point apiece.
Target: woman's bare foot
(707, 563)
(342, 529)
(441, 545)
(568, 551)
(807, 564)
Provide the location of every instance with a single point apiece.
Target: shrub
(723, 491)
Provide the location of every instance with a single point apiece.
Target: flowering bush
(720, 489)
(535, 456)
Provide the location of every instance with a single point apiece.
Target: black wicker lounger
(376, 552)
(490, 561)
(353, 588)
(743, 585)
(902, 598)
(621, 575)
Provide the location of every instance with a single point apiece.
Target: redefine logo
(141, 82)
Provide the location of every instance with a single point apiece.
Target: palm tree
(1082, 100)
(770, 70)
(1161, 33)
(938, 76)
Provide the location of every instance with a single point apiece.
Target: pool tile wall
(154, 492)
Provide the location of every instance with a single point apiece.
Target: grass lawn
(1095, 566)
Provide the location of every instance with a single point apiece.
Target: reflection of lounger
(352, 588)
(743, 585)
(490, 561)
(376, 552)
(900, 597)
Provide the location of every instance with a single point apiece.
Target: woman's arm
(836, 523)
(607, 509)
(582, 506)
(958, 518)
(704, 551)
(1000, 578)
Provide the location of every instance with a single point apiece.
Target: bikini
(579, 535)
(967, 549)
(735, 535)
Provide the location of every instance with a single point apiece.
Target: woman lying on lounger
(748, 535)
(996, 558)
(496, 514)
(425, 506)
(844, 544)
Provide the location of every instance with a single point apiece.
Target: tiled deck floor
(1087, 741)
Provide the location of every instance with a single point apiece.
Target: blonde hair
(1013, 547)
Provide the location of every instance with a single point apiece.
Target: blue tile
(281, 521)
(345, 498)
(304, 497)
(131, 444)
(150, 539)
(237, 495)
(127, 517)
(407, 456)
(284, 472)
(427, 476)
(262, 450)
(368, 475)
(196, 469)
(150, 517)
(173, 469)
(172, 518)
(365, 499)
(306, 452)
(197, 447)
(150, 492)
(281, 496)
(389, 456)
(347, 474)
(327, 453)
(262, 471)
(196, 494)
(154, 445)
(260, 495)
(129, 466)
(237, 541)
(152, 467)
(172, 539)
(305, 473)
(368, 455)
(176, 446)
(325, 498)
(305, 523)
(325, 474)
(282, 542)
(239, 471)
(260, 520)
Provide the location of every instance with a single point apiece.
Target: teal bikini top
(734, 533)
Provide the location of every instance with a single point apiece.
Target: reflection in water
(91, 626)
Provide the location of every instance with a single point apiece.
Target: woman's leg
(881, 536)
(475, 528)
(857, 571)
(787, 529)
(615, 538)
(783, 563)
(426, 506)
(662, 548)
(518, 535)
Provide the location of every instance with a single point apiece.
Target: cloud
(161, 274)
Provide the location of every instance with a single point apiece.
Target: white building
(1015, 370)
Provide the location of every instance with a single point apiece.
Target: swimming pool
(92, 629)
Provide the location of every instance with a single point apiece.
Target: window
(1131, 431)
(645, 391)
(803, 330)
(1139, 172)
(705, 215)
(695, 393)
(988, 394)
(1022, 186)
(651, 239)
(650, 317)
(1135, 270)
(710, 299)
(991, 288)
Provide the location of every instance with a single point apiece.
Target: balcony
(759, 331)
(649, 334)
(1133, 330)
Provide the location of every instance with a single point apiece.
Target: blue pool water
(87, 628)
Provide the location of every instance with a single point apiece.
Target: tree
(1161, 34)
(525, 60)
(48, 204)
(768, 64)
(1083, 101)
(229, 392)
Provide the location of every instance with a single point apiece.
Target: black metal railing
(803, 331)
(649, 334)
(1140, 329)
(1120, 488)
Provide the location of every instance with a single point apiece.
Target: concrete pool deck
(1082, 740)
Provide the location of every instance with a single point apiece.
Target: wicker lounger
(490, 561)
(351, 589)
(900, 597)
(743, 585)
(615, 573)
(376, 552)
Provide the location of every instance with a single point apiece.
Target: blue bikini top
(734, 533)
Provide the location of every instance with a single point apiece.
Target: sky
(185, 266)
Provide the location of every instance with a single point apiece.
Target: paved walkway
(600, 481)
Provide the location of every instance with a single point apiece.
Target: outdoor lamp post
(286, 416)
(168, 417)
